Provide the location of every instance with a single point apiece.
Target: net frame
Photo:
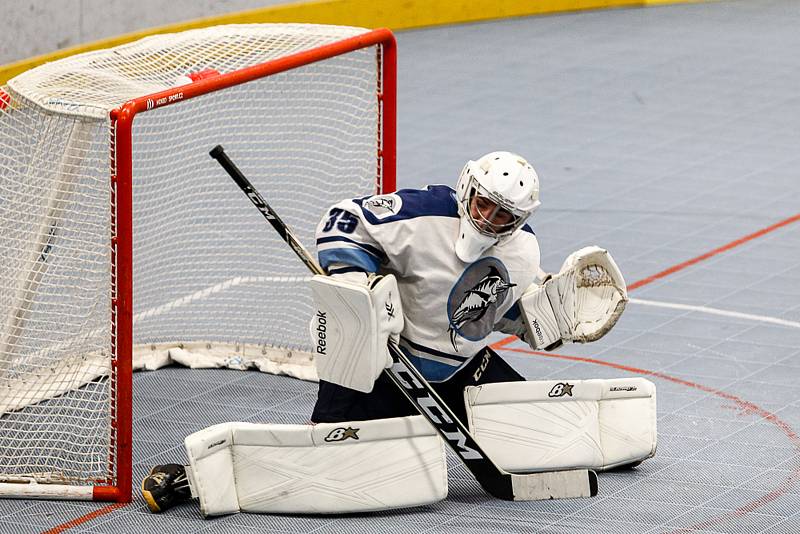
(117, 487)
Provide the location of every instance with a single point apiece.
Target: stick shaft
(218, 153)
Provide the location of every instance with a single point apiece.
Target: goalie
(438, 270)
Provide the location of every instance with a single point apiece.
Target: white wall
(32, 27)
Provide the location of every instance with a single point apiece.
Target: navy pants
(336, 404)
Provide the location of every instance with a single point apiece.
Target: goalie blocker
(354, 319)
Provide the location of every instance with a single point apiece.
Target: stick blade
(568, 484)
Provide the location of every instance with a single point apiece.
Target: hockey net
(123, 239)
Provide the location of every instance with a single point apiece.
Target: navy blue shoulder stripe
(434, 201)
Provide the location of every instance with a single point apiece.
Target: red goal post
(315, 125)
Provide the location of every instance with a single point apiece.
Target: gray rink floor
(660, 134)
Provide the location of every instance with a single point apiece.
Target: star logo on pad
(561, 389)
(341, 434)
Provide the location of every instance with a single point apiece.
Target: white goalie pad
(328, 468)
(351, 327)
(579, 304)
(546, 425)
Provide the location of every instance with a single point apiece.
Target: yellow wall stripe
(394, 14)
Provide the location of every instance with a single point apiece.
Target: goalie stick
(572, 483)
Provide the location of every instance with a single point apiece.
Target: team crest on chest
(473, 302)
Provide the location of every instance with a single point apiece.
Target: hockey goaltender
(435, 271)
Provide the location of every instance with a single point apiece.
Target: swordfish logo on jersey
(473, 302)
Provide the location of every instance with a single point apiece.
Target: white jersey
(450, 307)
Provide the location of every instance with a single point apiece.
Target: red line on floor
(723, 248)
(85, 518)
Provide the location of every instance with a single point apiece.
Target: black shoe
(165, 486)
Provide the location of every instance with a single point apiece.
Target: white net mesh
(94, 83)
(208, 270)
(54, 280)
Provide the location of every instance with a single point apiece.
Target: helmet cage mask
(503, 209)
(503, 189)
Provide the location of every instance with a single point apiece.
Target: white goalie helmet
(496, 194)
